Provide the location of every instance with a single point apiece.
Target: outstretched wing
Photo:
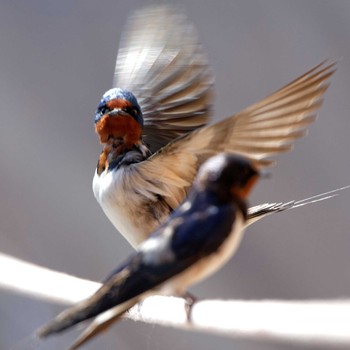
(259, 132)
(162, 63)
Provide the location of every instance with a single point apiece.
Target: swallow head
(118, 115)
(228, 175)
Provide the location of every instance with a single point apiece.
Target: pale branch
(310, 322)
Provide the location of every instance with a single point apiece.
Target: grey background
(56, 60)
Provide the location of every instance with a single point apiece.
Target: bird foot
(190, 300)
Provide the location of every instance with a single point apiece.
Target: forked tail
(260, 211)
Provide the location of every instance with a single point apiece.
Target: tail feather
(260, 211)
(320, 197)
(104, 299)
(66, 319)
(101, 323)
(70, 317)
(84, 311)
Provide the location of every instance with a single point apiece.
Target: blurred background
(57, 59)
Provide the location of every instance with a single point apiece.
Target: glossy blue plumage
(197, 239)
(118, 93)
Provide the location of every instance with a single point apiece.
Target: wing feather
(263, 130)
(161, 61)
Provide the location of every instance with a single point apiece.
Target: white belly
(208, 265)
(119, 203)
(130, 202)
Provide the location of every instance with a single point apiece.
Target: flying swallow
(194, 242)
(154, 122)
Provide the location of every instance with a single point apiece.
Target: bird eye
(102, 110)
(132, 111)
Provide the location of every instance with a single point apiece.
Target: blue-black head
(119, 101)
(228, 175)
(119, 115)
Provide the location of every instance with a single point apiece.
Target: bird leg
(190, 300)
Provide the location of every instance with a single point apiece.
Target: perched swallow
(153, 124)
(196, 240)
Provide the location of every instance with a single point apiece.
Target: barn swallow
(194, 242)
(154, 122)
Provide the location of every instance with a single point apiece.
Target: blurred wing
(262, 130)
(162, 63)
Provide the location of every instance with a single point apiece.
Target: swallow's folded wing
(259, 132)
(168, 252)
(162, 63)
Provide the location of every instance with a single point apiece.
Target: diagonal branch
(308, 322)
